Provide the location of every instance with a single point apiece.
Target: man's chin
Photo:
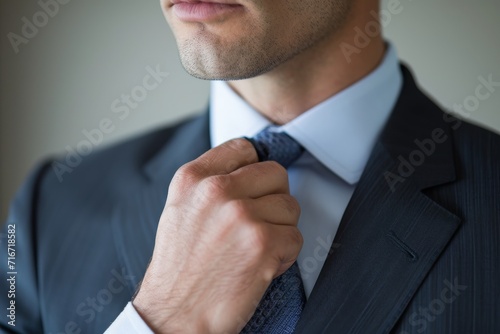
(224, 74)
(214, 75)
(229, 68)
(208, 68)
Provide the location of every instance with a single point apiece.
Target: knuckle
(237, 210)
(256, 239)
(291, 205)
(214, 186)
(188, 173)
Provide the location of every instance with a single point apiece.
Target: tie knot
(277, 146)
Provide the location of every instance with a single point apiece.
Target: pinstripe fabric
(471, 262)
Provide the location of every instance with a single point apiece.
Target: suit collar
(419, 138)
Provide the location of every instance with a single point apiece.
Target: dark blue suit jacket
(417, 251)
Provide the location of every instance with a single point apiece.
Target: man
(388, 213)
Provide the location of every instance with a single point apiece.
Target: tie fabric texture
(279, 309)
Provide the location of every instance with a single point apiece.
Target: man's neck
(314, 75)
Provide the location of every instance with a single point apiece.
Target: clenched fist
(228, 228)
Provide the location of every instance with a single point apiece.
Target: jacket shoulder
(123, 159)
(475, 142)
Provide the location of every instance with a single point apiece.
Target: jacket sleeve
(19, 303)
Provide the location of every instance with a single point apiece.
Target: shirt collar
(340, 132)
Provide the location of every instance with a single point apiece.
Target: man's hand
(228, 228)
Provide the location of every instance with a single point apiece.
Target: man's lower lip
(203, 11)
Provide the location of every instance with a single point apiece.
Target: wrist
(164, 318)
(150, 313)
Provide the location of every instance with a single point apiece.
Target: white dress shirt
(338, 135)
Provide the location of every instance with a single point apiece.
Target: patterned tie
(279, 309)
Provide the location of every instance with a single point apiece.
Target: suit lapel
(135, 219)
(389, 237)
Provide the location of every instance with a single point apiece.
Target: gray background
(64, 80)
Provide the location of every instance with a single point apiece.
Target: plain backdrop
(63, 80)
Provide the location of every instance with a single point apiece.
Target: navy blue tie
(279, 309)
